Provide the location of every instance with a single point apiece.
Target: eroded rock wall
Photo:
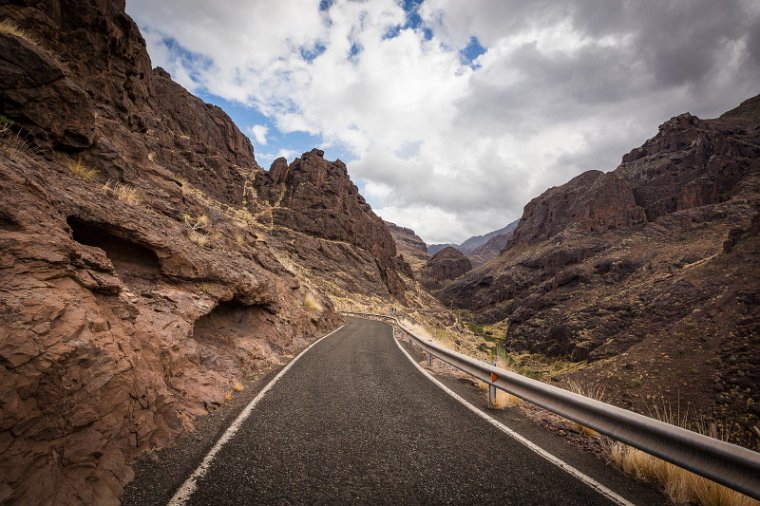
(136, 285)
(316, 197)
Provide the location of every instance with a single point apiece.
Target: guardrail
(733, 466)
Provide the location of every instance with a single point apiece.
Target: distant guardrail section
(731, 465)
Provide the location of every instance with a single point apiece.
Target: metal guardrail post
(492, 390)
(731, 465)
(430, 359)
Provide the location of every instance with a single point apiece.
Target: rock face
(410, 246)
(587, 203)
(147, 261)
(316, 197)
(444, 266)
(638, 266)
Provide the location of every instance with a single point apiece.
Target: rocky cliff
(410, 246)
(636, 270)
(444, 266)
(141, 275)
(316, 214)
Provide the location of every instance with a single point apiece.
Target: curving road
(353, 421)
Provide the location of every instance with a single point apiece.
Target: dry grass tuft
(123, 192)
(597, 391)
(681, 486)
(15, 147)
(8, 26)
(199, 239)
(503, 400)
(12, 145)
(237, 387)
(312, 304)
(77, 168)
(196, 223)
(199, 226)
(227, 396)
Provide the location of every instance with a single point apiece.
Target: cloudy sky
(453, 114)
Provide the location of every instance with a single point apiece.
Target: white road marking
(189, 486)
(609, 494)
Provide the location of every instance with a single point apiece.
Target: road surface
(353, 421)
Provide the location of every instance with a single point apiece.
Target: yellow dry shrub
(503, 400)
(123, 192)
(680, 485)
(8, 26)
(78, 168)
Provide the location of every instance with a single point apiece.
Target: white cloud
(259, 133)
(450, 150)
(266, 158)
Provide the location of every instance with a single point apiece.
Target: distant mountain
(475, 247)
(493, 246)
(470, 245)
(435, 248)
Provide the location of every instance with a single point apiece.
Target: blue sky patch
(472, 51)
(312, 54)
(293, 144)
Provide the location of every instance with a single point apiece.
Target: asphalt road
(353, 422)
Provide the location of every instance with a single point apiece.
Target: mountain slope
(146, 265)
(409, 245)
(469, 246)
(649, 271)
(493, 246)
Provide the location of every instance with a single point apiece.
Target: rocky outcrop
(34, 89)
(316, 197)
(444, 266)
(138, 285)
(640, 263)
(590, 202)
(410, 246)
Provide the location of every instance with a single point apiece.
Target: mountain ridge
(601, 270)
(471, 244)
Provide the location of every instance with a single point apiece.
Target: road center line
(183, 493)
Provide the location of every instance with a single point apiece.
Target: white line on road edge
(188, 487)
(609, 494)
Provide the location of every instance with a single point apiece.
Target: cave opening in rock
(129, 258)
(7, 222)
(231, 320)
